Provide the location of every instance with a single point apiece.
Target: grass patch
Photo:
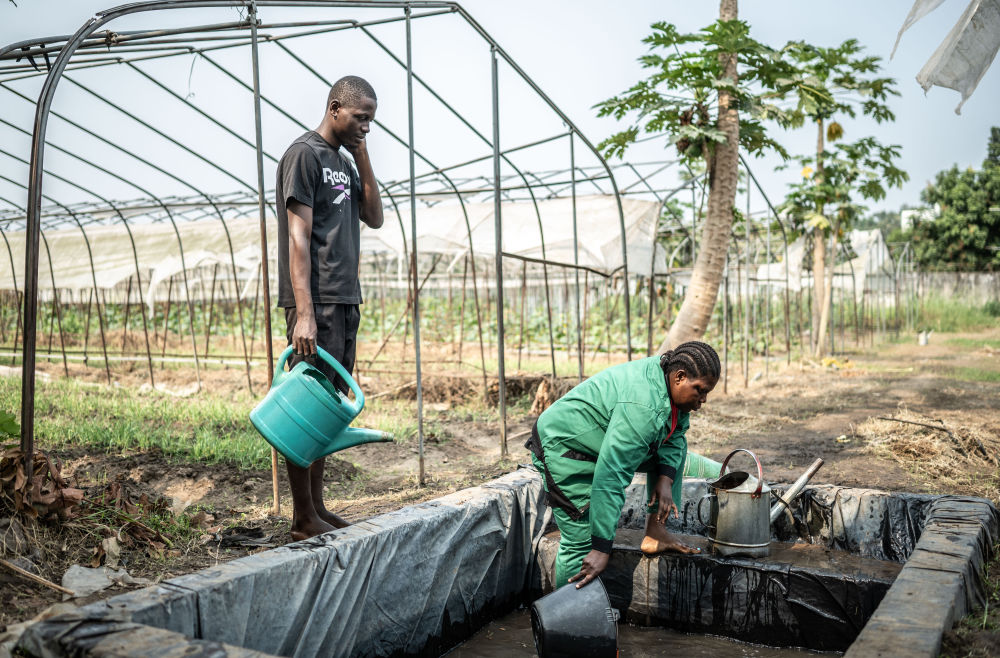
(952, 315)
(974, 374)
(205, 428)
(974, 343)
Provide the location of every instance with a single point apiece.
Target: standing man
(321, 201)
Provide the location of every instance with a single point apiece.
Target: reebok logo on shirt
(339, 182)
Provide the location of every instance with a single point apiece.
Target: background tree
(708, 104)
(828, 203)
(828, 83)
(887, 221)
(966, 234)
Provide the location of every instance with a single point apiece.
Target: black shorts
(336, 332)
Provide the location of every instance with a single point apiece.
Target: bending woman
(588, 445)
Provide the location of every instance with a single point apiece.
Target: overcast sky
(582, 52)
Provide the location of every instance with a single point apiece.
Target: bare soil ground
(792, 415)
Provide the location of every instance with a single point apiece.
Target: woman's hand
(595, 562)
(662, 494)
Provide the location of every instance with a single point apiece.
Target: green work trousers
(575, 534)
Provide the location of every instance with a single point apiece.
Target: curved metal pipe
(43, 107)
(17, 296)
(57, 313)
(505, 158)
(121, 216)
(165, 208)
(90, 256)
(621, 213)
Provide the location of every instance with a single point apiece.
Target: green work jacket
(620, 417)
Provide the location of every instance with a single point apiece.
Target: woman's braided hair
(694, 357)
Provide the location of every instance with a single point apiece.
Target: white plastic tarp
(66, 256)
(65, 253)
(872, 258)
(442, 229)
(964, 56)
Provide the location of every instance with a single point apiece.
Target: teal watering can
(305, 417)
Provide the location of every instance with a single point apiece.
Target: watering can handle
(760, 471)
(359, 397)
(279, 370)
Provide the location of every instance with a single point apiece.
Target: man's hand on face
(357, 148)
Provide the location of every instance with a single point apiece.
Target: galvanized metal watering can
(305, 417)
(741, 513)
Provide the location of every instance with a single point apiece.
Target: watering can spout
(355, 436)
(794, 491)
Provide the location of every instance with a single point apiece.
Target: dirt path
(804, 412)
(790, 417)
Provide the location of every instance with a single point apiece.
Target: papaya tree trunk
(819, 258)
(819, 290)
(699, 300)
(824, 316)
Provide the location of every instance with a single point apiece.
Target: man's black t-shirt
(316, 175)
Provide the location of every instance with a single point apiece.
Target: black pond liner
(418, 581)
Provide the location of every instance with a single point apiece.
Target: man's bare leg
(658, 540)
(316, 489)
(306, 522)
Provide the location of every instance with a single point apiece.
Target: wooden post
(524, 290)
(86, 331)
(166, 321)
(128, 295)
(461, 312)
(211, 307)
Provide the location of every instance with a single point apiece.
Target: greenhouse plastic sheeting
(67, 252)
(442, 229)
(411, 582)
(77, 635)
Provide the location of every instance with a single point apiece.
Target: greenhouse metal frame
(44, 219)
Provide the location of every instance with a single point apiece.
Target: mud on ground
(789, 417)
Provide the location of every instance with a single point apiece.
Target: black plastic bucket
(575, 623)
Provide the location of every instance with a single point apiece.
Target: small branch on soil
(38, 579)
(393, 390)
(514, 437)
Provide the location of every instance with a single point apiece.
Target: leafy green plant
(687, 74)
(9, 428)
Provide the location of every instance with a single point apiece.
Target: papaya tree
(709, 94)
(828, 202)
(830, 84)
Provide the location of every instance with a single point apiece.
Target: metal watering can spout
(794, 491)
(355, 436)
